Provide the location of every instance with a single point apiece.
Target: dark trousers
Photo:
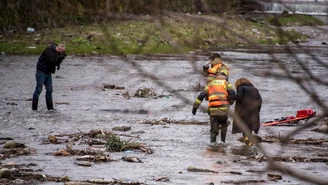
(218, 122)
(46, 80)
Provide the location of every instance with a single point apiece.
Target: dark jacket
(49, 59)
(248, 107)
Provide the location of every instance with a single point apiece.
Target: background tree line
(20, 14)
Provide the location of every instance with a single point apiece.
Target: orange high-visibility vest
(217, 93)
(212, 72)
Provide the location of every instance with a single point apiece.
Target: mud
(178, 139)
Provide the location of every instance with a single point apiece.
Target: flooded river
(80, 101)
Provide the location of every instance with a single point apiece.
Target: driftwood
(87, 164)
(242, 181)
(70, 151)
(62, 103)
(61, 153)
(311, 141)
(274, 177)
(107, 182)
(146, 149)
(171, 121)
(122, 128)
(95, 142)
(53, 139)
(110, 86)
(91, 158)
(297, 159)
(131, 159)
(194, 169)
(92, 134)
(233, 172)
(162, 179)
(14, 152)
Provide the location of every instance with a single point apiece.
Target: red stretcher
(303, 114)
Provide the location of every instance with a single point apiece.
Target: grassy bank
(173, 33)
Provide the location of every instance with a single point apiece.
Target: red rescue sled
(304, 114)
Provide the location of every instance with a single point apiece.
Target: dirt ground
(163, 123)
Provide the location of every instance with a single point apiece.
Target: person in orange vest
(214, 67)
(218, 93)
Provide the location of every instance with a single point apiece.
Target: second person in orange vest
(218, 93)
(214, 67)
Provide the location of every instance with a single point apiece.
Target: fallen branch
(194, 169)
(107, 182)
(243, 181)
(298, 159)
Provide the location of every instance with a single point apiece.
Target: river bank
(170, 33)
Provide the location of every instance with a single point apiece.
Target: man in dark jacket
(248, 107)
(50, 58)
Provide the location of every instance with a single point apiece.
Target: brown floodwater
(80, 100)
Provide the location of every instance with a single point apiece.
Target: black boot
(213, 138)
(35, 104)
(49, 103)
(224, 129)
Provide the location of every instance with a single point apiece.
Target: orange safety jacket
(212, 72)
(217, 93)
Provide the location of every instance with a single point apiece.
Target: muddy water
(79, 101)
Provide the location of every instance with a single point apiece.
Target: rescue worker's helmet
(221, 76)
(214, 55)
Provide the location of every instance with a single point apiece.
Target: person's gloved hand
(61, 58)
(194, 111)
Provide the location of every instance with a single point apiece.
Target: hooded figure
(248, 106)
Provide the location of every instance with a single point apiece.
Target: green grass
(295, 20)
(173, 35)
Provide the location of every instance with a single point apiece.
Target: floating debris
(162, 179)
(122, 128)
(101, 181)
(144, 92)
(310, 141)
(131, 159)
(14, 149)
(274, 177)
(115, 144)
(233, 172)
(171, 121)
(87, 164)
(298, 159)
(194, 169)
(109, 86)
(92, 158)
(127, 111)
(12, 173)
(243, 181)
(61, 153)
(13, 144)
(53, 139)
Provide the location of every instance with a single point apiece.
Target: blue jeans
(46, 80)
